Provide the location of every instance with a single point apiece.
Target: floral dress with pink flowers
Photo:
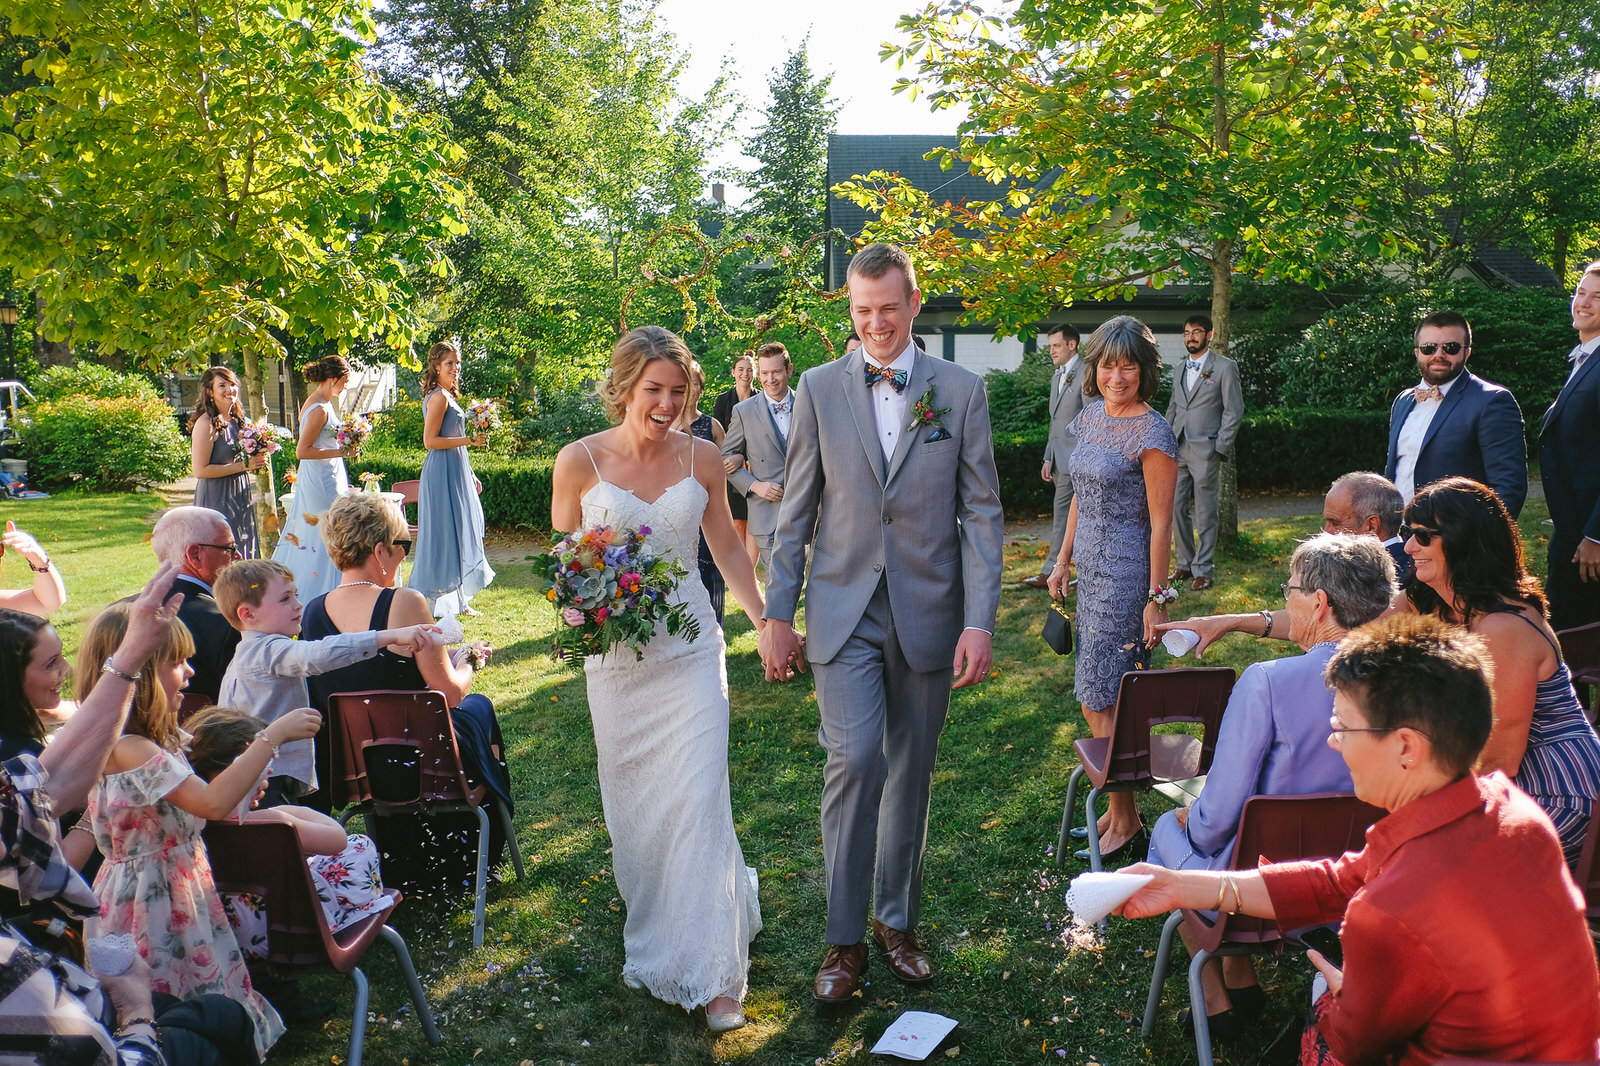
(349, 886)
(156, 885)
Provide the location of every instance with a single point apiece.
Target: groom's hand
(783, 653)
(974, 656)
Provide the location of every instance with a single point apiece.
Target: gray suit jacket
(1063, 409)
(1213, 411)
(929, 518)
(752, 437)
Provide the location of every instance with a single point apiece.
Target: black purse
(1058, 627)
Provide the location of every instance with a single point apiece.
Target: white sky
(846, 36)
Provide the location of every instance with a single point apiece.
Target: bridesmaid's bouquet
(609, 589)
(483, 415)
(353, 433)
(259, 438)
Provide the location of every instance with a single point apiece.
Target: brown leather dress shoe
(1037, 581)
(908, 961)
(842, 971)
(1200, 584)
(1179, 575)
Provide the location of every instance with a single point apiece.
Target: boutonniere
(1205, 375)
(927, 416)
(1068, 380)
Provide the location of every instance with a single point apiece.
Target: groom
(891, 477)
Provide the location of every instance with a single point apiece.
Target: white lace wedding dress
(661, 730)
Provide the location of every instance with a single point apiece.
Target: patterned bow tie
(1426, 392)
(873, 374)
(1192, 364)
(782, 406)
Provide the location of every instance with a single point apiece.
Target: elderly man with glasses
(199, 543)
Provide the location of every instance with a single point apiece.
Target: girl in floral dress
(344, 869)
(147, 812)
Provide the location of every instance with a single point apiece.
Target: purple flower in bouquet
(353, 433)
(610, 588)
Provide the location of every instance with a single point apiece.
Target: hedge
(104, 445)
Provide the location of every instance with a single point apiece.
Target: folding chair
(192, 703)
(410, 490)
(1318, 825)
(265, 859)
(416, 767)
(1135, 759)
(1580, 647)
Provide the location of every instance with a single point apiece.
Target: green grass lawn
(545, 988)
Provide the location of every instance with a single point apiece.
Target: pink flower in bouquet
(602, 614)
(572, 616)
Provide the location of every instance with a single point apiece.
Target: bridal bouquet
(484, 415)
(353, 433)
(608, 589)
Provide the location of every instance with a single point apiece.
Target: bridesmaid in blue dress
(321, 480)
(1123, 473)
(451, 564)
(222, 480)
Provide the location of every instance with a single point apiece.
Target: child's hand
(301, 723)
(413, 639)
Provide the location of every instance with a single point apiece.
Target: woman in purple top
(1274, 736)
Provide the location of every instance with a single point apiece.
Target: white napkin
(450, 631)
(1179, 642)
(112, 954)
(914, 1035)
(1092, 896)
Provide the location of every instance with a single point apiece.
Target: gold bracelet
(1238, 904)
(1222, 890)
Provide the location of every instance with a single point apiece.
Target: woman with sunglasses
(1468, 569)
(367, 539)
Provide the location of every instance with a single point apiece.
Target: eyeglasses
(401, 543)
(1450, 348)
(1285, 588)
(1337, 727)
(1422, 534)
(226, 549)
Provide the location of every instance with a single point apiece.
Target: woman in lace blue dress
(661, 723)
(1468, 569)
(1119, 530)
(222, 477)
(451, 565)
(321, 480)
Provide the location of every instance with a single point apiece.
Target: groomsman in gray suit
(1066, 400)
(757, 438)
(891, 480)
(1207, 407)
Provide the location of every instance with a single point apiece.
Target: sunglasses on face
(1422, 534)
(1450, 348)
(401, 543)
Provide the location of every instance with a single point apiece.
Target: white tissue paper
(1179, 642)
(450, 631)
(1092, 896)
(112, 954)
(914, 1035)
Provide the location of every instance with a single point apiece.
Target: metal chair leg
(1091, 821)
(482, 891)
(511, 839)
(1197, 1009)
(1066, 815)
(358, 1019)
(419, 998)
(1158, 976)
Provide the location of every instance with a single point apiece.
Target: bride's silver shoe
(632, 982)
(725, 1021)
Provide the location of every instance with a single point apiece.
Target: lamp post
(8, 319)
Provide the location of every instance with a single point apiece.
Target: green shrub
(398, 427)
(107, 445)
(1019, 400)
(92, 379)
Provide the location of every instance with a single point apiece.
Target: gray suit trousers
(1058, 528)
(880, 727)
(1199, 477)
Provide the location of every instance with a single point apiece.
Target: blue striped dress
(1561, 766)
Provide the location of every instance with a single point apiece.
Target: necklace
(348, 584)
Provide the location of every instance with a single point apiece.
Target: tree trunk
(1563, 240)
(1222, 335)
(48, 353)
(255, 392)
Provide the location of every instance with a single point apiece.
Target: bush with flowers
(610, 588)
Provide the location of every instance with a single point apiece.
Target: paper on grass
(1092, 896)
(914, 1035)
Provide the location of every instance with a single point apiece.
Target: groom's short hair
(876, 260)
(774, 350)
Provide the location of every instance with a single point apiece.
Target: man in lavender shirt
(1274, 736)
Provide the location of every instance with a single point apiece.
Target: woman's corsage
(927, 416)
(1163, 596)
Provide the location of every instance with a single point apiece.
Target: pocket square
(938, 435)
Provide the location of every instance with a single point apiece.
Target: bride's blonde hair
(636, 350)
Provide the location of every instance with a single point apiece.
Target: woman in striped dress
(1469, 570)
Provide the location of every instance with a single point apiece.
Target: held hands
(783, 651)
(974, 656)
(301, 723)
(1209, 627)
(412, 639)
(23, 543)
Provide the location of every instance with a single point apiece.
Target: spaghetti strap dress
(451, 565)
(318, 483)
(230, 495)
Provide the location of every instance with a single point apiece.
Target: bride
(661, 725)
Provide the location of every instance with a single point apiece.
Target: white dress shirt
(1581, 353)
(781, 418)
(890, 406)
(1409, 445)
(1192, 374)
(1063, 372)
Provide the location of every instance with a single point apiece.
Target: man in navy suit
(1455, 423)
(1569, 444)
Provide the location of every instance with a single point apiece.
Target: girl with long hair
(222, 476)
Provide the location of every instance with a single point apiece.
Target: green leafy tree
(789, 184)
(182, 181)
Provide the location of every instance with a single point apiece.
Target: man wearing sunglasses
(1454, 423)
